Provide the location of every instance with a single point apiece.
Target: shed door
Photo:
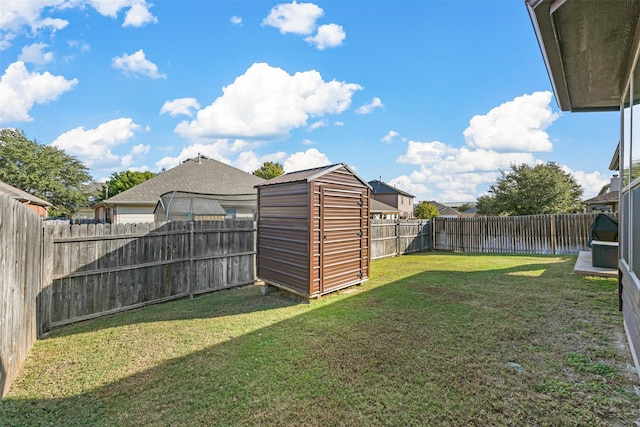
(343, 249)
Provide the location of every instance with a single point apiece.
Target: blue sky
(434, 97)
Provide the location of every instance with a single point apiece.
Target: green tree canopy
(525, 190)
(426, 210)
(121, 181)
(44, 171)
(269, 170)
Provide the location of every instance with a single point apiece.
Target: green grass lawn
(431, 339)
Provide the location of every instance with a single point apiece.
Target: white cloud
(517, 125)
(338, 123)
(388, 138)
(329, 35)
(591, 183)
(20, 90)
(93, 146)
(368, 108)
(137, 64)
(236, 20)
(297, 18)
(309, 142)
(224, 150)
(318, 124)
(19, 16)
(454, 174)
(311, 158)
(180, 106)
(266, 102)
(35, 54)
(138, 15)
(249, 161)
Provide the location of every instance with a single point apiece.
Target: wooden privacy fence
(391, 237)
(533, 234)
(21, 281)
(101, 269)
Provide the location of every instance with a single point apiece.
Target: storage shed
(313, 230)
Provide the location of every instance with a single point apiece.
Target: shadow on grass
(428, 348)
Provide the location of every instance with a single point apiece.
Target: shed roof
(197, 175)
(21, 196)
(379, 187)
(309, 175)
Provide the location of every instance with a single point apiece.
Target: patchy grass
(430, 339)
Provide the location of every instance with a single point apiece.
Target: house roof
(586, 46)
(377, 206)
(21, 196)
(197, 175)
(444, 210)
(379, 187)
(309, 175)
(605, 198)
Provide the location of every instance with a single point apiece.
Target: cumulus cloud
(517, 125)
(368, 108)
(318, 124)
(180, 106)
(137, 65)
(224, 150)
(388, 138)
(266, 102)
(249, 161)
(312, 158)
(19, 16)
(297, 18)
(139, 15)
(35, 54)
(94, 146)
(236, 20)
(591, 183)
(507, 134)
(329, 35)
(20, 90)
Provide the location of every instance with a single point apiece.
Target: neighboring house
(36, 204)
(446, 211)
(393, 196)
(232, 189)
(381, 210)
(607, 199)
(591, 50)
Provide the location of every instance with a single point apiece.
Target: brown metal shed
(313, 230)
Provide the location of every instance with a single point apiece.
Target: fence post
(552, 218)
(397, 227)
(45, 299)
(191, 275)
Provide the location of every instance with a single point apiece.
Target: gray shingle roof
(379, 187)
(206, 176)
(378, 206)
(22, 196)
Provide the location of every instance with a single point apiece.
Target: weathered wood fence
(22, 276)
(397, 237)
(102, 269)
(533, 234)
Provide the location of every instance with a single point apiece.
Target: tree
(465, 207)
(525, 190)
(269, 170)
(121, 181)
(43, 171)
(426, 210)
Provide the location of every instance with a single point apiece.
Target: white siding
(134, 214)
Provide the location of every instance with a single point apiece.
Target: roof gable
(198, 175)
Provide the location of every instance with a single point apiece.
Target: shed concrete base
(585, 267)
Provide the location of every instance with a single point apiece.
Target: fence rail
(397, 237)
(534, 234)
